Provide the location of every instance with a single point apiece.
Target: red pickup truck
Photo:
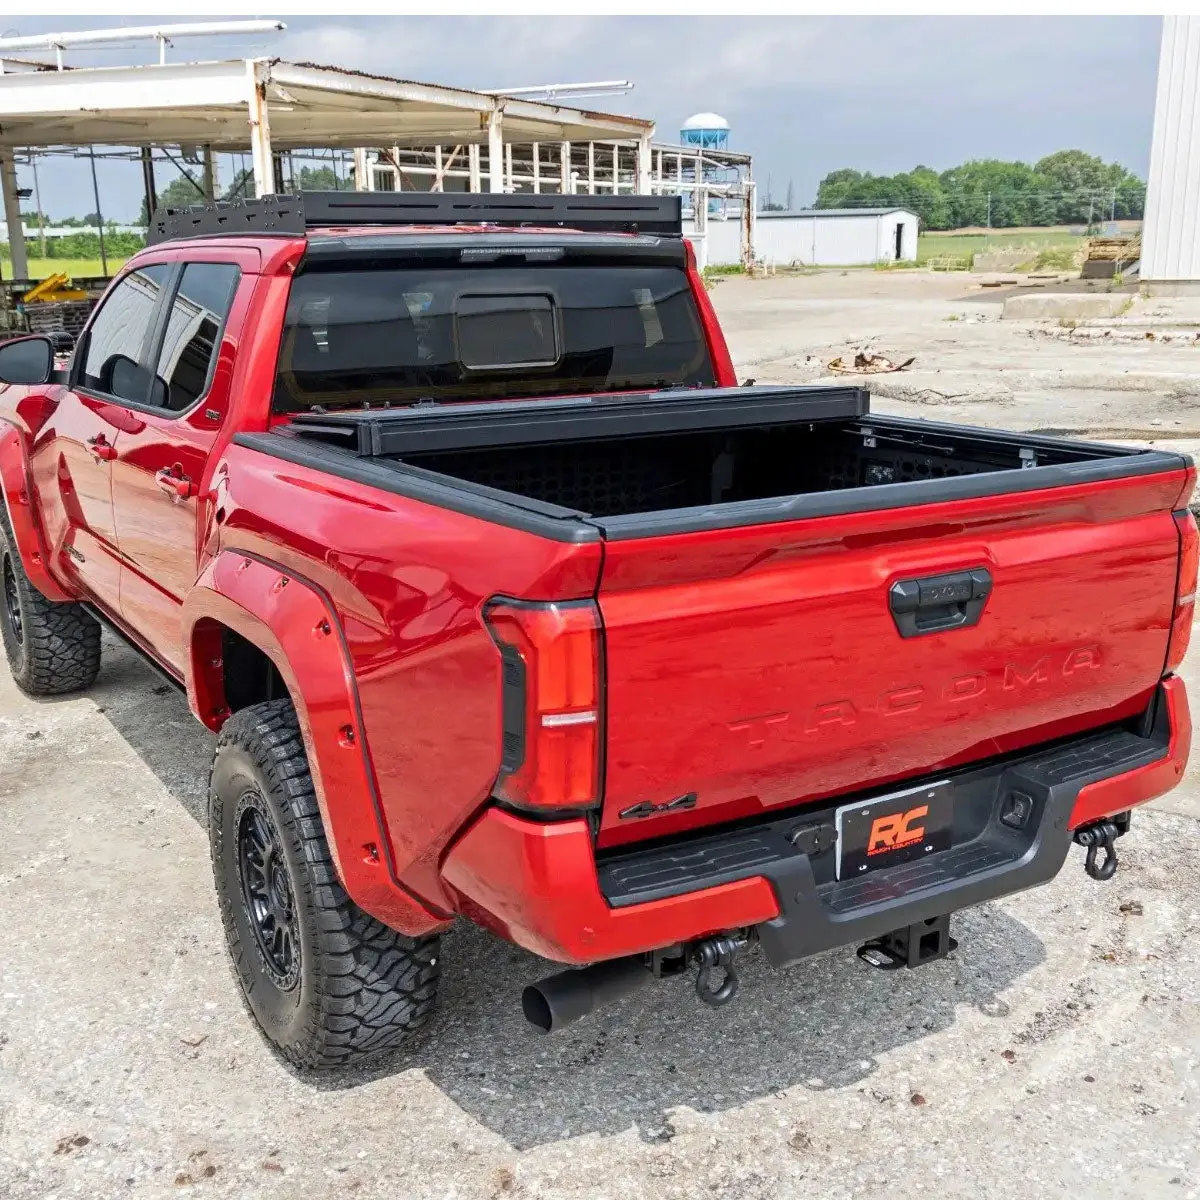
(508, 603)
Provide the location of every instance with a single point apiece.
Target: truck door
(72, 458)
(159, 470)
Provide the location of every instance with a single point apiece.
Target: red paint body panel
(535, 884)
(761, 668)
(1122, 792)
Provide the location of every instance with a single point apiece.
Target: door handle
(100, 448)
(176, 485)
(937, 603)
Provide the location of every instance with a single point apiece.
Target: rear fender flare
(292, 621)
(22, 516)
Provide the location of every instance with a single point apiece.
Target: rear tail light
(552, 719)
(1185, 591)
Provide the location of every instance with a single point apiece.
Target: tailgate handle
(939, 602)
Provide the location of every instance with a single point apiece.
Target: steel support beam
(564, 167)
(12, 215)
(495, 129)
(362, 170)
(211, 186)
(260, 128)
(148, 185)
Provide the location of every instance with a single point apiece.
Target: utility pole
(989, 224)
(99, 214)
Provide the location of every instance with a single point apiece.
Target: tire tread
(373, 985)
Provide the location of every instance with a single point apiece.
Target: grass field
(39, 268)
(960, 245)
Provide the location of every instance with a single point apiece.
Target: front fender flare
(22, 516)
(292, 621)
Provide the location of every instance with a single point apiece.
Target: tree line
(1068, 187)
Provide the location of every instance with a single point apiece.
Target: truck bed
(673, 462)
(800, 599)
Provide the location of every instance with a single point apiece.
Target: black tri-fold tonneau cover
(387, 432)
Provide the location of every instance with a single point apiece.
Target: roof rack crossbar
(292, 216)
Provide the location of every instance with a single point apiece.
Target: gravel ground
(1059, 1048)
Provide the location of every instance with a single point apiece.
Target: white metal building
(1171, 232)
(827, 237)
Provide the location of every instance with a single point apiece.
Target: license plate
(890, 830)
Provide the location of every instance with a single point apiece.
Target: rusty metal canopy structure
(304, 104)
(268, 105)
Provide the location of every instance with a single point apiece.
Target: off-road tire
(51, 648)
(359, 988)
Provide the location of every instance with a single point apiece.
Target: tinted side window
(112, 356)
(189, 349)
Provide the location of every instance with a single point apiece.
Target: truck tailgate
(753, 668)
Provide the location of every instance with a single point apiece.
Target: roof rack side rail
(293, 215)
(280, 215)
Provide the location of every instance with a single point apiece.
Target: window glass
(112, 355)
(388, 334)
(499, 332)
(189, 349)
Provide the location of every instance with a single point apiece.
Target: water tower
(706, 130)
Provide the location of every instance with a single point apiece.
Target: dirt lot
(1058, 1049)
(970, 364)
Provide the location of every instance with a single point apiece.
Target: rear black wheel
(51, 648)
(326, 983)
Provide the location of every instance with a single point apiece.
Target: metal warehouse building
(1171, 234)
(830, 237)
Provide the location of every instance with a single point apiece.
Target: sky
(804, 95)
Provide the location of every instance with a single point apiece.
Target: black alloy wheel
(267, 892)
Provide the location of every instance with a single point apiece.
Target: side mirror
(27, 360)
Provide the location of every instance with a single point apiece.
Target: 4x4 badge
(646, 809)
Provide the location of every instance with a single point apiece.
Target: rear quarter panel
(408, 582)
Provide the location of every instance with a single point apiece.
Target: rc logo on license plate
(890, 830)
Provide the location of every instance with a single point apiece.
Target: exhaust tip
(555, 1002)
(536, 1008)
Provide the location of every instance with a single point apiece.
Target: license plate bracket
(898, 828)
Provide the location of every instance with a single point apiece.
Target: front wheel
(326, 983)
(51, 648)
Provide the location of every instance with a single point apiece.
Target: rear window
(399, 335)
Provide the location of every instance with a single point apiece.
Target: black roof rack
(292, 216)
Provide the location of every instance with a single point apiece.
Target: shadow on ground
(821, 1025)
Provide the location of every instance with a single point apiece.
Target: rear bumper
(539, 884)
